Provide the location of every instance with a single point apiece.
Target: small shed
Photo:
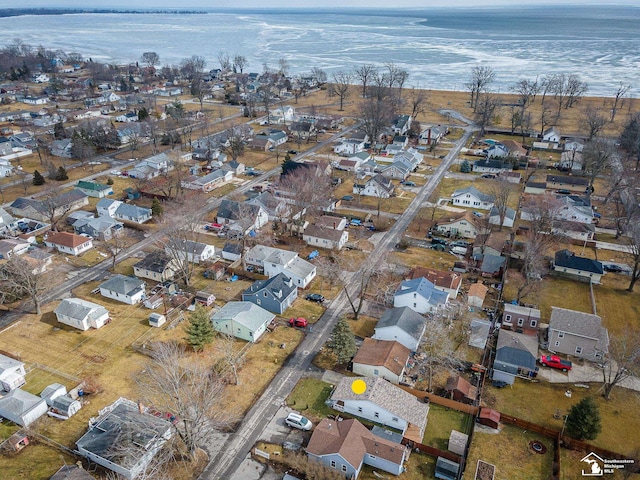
(479, 333)
(205, 298)
(52, 392)
(446, 469)
(460, 390)
(154, 301)
(489, 418)
(64, 407)
(457, 442)
(157, 320)
(16, 442)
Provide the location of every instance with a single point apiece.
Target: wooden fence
(445, 402)
(433, 451)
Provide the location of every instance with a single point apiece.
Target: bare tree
(224, 61)
(597, 155)
(527, 90)
(319, 75)
(633, 252)
(481, 78)
(375, 114)
(117, 244)
(239, 62)
(630, 139)
(307, 187)
(418, 102)
(20, 277)
(438, 345)
(364, 73)
(486, 106)
(341, 86)
(623, 359)
(226, 346)
(618, 100)
(151, 59)
(502, 190)
(545, 117)
(188, 388)
(193, 66)
(593, 121)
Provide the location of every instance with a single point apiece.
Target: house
(23, 140)
(567, 182)
(420, 295)
(22, 408)
(130, 290)
(493, 243)
(193, 252)
(35, 99)
(347, 445)
(401, 124)
(491, 166)
(319, 236)
(245, 215)
(13, 246)
(460, 390)
(60, 403)
(62, 148)
(464, 224)
(574, 145)
(243, 320)
(551, 135)
(476, 295)
(571, 161)
(515, 149)
(81, 314)
(6, 170)
(512, 177)
(152, 167)
(12, 373)
(578, 334)
(274, 294)
(127, 117)
(509, 217)
(577, 230)
(432, 134)
(384, 403)
(447, 281)
(69, 243)
(302, 130)
(123, 211)
(101, 228)
(516, 355)
(377, 186)
(6, 220)
(208, 182)
(492, 265)
(568, 264)
(402, 325)
(497, 150)
(521, 319)
(157, 266)
(41, 209)
(94, 189)
(574, 208)
(471, 197)
(274, 261)
(535, 188)
(277, 208)
(349, 147)
(72, 472)
(381, 358)
(232, 251)
(124, 438)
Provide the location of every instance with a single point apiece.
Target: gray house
(516, 355)
(402, 325)
(157, 266)
(274, 294)
(130, 290)
(101, 228)
(577, 333)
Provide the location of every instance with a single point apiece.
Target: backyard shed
(460, 390)
(489, 418)
(17, 441)
(64, 407)
(157, 320)
(457, 442)
(22, 408)
(446, 469)
(205, 298)
(12, 373)
(52, 392)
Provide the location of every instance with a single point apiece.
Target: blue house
(274, 294)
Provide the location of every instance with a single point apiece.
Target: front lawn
(309, 397)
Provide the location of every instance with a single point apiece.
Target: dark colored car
(613, 268)
(438, 241)
(292, 152)
(298, 322)
(315, 297)
(563, 191)
(438, 247)
(347, 198)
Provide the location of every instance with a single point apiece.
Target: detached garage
(22, 408)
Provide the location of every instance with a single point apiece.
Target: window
(344, 468)
(507, 318)
(557, 344)
(560, 334)
(578, 350)
(520, 322)
(534, 323)
(376, 415)
(333, 464)
(359, 409)
(265, 294)
(394, 419)
(415, 295)
(414, 305)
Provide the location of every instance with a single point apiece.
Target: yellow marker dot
(359, 387)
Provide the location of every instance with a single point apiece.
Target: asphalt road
(232, 454)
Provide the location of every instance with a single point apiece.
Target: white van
(296, 420)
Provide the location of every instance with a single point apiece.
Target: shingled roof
(384, 353)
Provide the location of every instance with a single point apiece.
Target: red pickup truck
(554, 361)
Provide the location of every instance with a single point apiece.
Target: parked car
(460, 243)
(563, 191)
(409, 184)
(438, 247)
(296, 420)
(488, 175)
(215, 227)
(292, 152)
(315, 297)
(438, 241)
(553, 361)
(298, 322)
(612, 267)
(347, 198)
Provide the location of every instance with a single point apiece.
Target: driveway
(586, 373)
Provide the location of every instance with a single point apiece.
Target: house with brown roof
(464, 224)
(460, 390)
(69, 243)
(515, 149)
(384, 403)
(447, 281)
(347, 445)
(476, 295)
(381, 358)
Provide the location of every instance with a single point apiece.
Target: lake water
(437, 47)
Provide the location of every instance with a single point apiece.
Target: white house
(244, 320)
(349, 146)
(69, 243)
(464, 225)
(245, 216)
(381, 358)
(320, 236)
(551, 135)
(210, 181)
(193, 252)
(123, 211)
(473, 198)
(420, 295)
(130, 290)
(377, 186)
(274, 261)
(402, 325)
(81, 314)
(22, 408)
(509, 217)
(12, 373)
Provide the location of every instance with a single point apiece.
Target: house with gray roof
(192, 252)
(276, 207)
(156, 265)
(273, 261)
(274, 294)
(377, 186)
(568, 264)
(420, 295)
(125, 212)
(21, 407)
(323, 237)
(382, 402)
(491, 165)
(402, 325)
(245, 215)
(12, 373)
(101, 228)
(244, 320)
(516, 355)
(130, 290)
(471, 197)
(208, 182)
(578, 334)
(81, 314)
(509, 217)
(124, 438)
(72, 472)
(40, 209)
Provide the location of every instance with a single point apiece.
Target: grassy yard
(618, 308)
(441, 421)
(423, 257)
(309, 396)
(509, 451)
(363, 327)
(620, 424)
(419, 467)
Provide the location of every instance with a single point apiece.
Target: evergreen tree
(156, 207)
(199, 330)
(110, 181)
(343, 342)
(583, 421)
(59, 131)
(465, 167)
(143, 114)
(38, 179)
(61, 174)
